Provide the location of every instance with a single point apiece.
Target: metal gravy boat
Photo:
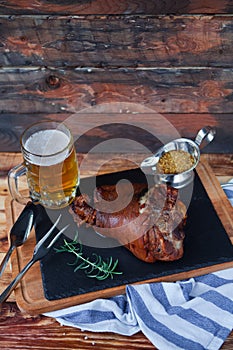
(179, 180)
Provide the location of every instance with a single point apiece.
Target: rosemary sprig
(97, 268)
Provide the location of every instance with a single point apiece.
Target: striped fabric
(194, 314)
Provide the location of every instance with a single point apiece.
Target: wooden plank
(115, 7)
(29, 293)
(221, 166)
(116, 41)
(6, 278)
(4, 245)
(191, 90)
(19, 330)
(3, 229)
(187, 125)
(218, 198)
(3, 192)
(224, 179)
(8, 161)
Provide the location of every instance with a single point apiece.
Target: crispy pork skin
(150, 225)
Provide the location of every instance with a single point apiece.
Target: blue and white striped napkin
(194, 314)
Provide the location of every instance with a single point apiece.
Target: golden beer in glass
(50, 165)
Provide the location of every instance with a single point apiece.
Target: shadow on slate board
(206, 243)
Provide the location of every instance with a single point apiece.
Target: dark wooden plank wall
(87, 7)
(172, 56)
(116, 41)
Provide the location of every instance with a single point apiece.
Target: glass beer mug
(50, 165)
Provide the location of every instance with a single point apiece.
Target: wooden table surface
(22, 331)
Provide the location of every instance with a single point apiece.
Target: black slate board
(206, 244)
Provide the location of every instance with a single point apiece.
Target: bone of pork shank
(150, 225)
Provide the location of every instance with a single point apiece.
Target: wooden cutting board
(30, 293)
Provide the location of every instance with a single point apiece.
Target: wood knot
(23, 38)
(211, 89)
(182, 43)
(53, 82)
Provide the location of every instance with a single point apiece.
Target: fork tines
(46, 236)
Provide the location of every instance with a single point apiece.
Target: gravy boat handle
(205, 136)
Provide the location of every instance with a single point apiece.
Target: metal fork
(40, 250)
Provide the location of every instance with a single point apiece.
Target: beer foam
(47, 143)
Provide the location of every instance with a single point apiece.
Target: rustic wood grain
(4, 192)
(115, 7)
(19, 331)
(116, 41)
(218, 197)
(4, 244)
(220, 165)
(5, 280)
(191, 90)
(187, 125)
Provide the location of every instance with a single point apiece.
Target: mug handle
(13, 183)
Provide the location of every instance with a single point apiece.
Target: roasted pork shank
(150, 223)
